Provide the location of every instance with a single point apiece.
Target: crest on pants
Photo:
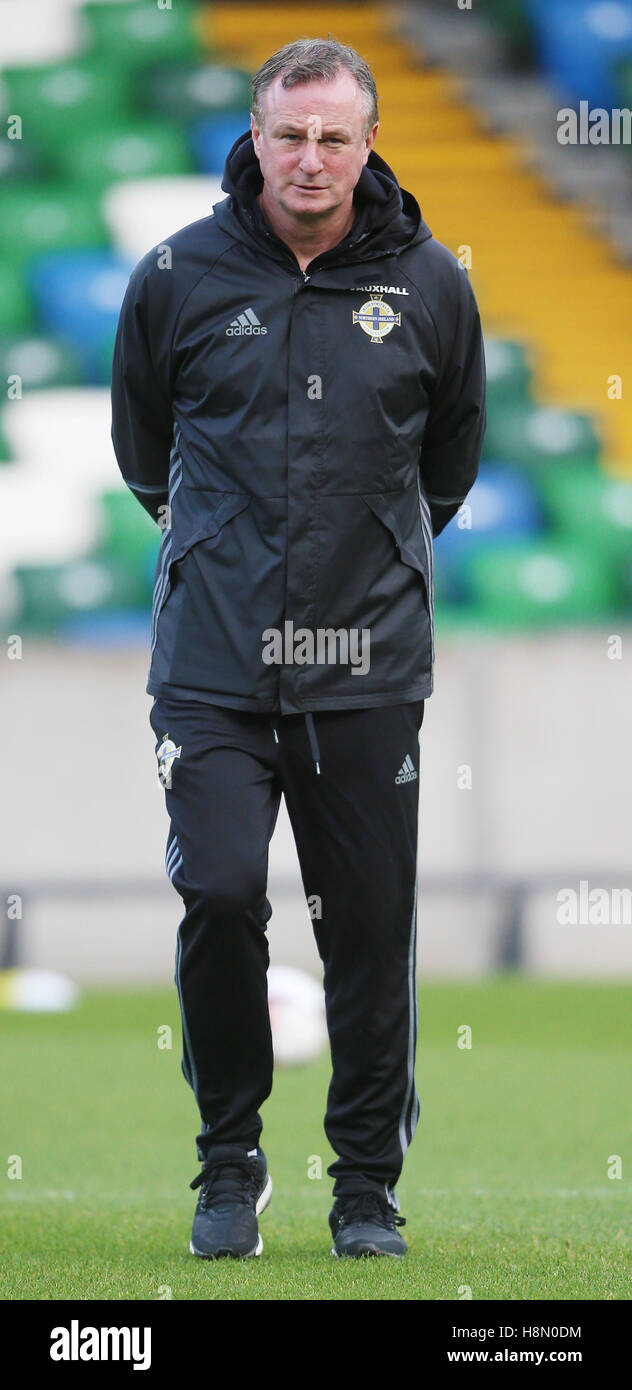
(166, 755)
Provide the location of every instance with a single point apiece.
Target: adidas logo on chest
(245, 325)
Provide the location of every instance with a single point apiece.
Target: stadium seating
(540, 437)
(509, 375)
(187, 92)
(213, 136)
(16, 310)
(623, 79)
(37, 217)
(543, 583)
(48, 593)
(141, 213)
(36, 526)
(39, 361)
(127, 539)
(67, 434)
(135, 35)
(82, 94)
(42, 31)
(591, 510)
(129, 150)
(512, 20)
(502, 506)
(78, 296)
(579, 43)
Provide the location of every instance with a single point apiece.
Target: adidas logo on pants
(407, 771)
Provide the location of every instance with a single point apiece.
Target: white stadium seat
(34, 32)
(40, 524)
(141, 213)
(67, 433)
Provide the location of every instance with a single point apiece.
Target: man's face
(312, 146)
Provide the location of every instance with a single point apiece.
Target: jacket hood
(388, 218)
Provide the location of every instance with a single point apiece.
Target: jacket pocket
(200, 515)
(211, 512)
(409, 524)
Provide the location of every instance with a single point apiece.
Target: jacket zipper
(305, 276)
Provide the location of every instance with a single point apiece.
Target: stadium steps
(474, 190)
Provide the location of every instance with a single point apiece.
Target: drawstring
(309, 724)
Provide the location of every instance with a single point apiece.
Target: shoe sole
(262, 1203)
(263, 1200)
(227, 1254)
(367, 1254)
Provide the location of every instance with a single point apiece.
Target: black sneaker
(364, 1223)
(235, 1189)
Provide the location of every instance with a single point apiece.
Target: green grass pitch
(505, 1188)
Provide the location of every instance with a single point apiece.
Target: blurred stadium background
(127, 111)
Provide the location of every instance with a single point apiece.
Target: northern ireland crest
(166, 755)
(376, 318)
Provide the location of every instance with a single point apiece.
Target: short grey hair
(315, 60)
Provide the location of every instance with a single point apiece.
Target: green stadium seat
(39, 361)
(5, 451)
(187, 92)
(128, 535)
(456, 619)
(511, 18)
(624, 82)
(626, 574)
(48, 594)
(592, 508)
(139, 150)
(19, 160)
(551, 582)
(508, 374)
(136, 34)
(539, 437)
(57, 101)
(16, 308)
(36, 218)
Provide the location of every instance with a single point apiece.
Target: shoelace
(228, 1178)
(369, 1206)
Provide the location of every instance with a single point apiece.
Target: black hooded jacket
(300, 436)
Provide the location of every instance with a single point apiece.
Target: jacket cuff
(442, 509)
(151, 498)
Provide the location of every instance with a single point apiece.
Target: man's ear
(255, 133)
(370, 141)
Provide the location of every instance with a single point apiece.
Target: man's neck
(307, 242)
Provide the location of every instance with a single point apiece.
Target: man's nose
(311, 159)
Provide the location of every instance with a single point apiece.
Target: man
(298, 396)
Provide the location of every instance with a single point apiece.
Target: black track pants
(351, 784)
